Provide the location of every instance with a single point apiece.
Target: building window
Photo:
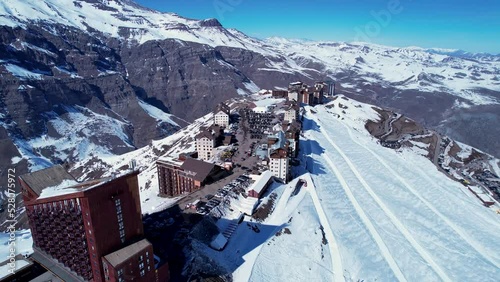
(143, 272)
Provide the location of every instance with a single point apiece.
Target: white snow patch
(157, 113)
(62, 188)
(22, 72)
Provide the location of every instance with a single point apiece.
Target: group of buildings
(180, 176)
(89, 231)
(190, 172)
(283, 145)
(302, 93)
(93, 231)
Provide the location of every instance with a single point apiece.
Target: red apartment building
(75, 226)
(176, 179)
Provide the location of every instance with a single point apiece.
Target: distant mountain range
(82, 79)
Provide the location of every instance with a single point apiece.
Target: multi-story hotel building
(80, 229)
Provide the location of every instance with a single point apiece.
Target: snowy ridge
(157, 113)
(404, 68)
(73, 137)
(457, 72)
(119, 19)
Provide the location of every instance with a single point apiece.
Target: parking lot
(259, 124)
(215, 205)
(208, 190)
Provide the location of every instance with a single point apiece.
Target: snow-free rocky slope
(89, 79)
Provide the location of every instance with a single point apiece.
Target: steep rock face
(46, 74)
(180, 76)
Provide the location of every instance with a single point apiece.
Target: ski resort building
(279, 155)
(176, 178)
(260, 184)
(302, 93)
(221, 115)
(205, 143)
(292, 113)
(75, 226)
(292, 133)
(295, 90)
(280, 93)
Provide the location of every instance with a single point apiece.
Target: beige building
(278, 156)
(221, 115)
(205, 143)
(293, 96)
(278, 163)
(221, 118)
(291, 114)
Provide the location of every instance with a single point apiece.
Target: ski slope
(393, 215)
(367, 213)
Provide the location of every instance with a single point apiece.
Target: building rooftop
(47, 277)
(281, 142)
(222, 107)
(261, 182)
(56, 181)
(47, 177)
(199, 169)
(124, 254)
(205, 133)
(21, 263)
(55, 267)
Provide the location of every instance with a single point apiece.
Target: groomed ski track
(386, 227)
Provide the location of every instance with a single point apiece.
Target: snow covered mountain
(159, 53)
(413, 67)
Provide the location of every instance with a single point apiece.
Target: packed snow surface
(62, 188)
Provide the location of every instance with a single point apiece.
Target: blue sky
(468, 25)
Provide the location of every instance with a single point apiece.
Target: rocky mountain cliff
(88, 78)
